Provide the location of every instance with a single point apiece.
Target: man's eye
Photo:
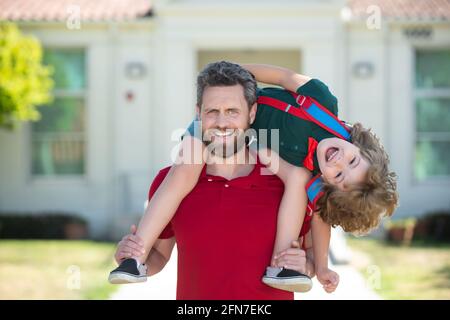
(353, 160)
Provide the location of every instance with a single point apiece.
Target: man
(225, 228)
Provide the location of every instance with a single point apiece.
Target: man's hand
(328, 278)
(130, 246)
(293, 258)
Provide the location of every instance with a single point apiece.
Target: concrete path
(163, 285)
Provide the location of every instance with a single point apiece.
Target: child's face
(341, 163)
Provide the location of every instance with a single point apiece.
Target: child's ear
(253, 112)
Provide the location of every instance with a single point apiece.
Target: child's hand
(130, 246)
(328, 279)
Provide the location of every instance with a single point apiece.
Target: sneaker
(129, 271)
(287, 279)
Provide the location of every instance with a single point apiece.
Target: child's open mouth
(331, 153)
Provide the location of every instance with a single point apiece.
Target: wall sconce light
(363, 69)
(135, 70)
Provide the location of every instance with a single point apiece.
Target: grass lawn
(417, 272)
(35, 269)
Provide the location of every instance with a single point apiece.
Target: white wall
(367, 96)
(133, 142)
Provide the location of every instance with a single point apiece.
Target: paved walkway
(162, 286)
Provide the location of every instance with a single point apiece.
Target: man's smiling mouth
(223, 133)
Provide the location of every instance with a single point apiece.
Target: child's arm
(321, 240)
(321, 233)
(310, 265)
(164, 202)
(279, 76)
(291, 211)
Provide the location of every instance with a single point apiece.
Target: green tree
(25, 83)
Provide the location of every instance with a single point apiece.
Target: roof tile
(60, 10)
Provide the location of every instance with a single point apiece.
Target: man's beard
(226, 149)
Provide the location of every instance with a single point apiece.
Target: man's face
(341, 163)
(225, 117)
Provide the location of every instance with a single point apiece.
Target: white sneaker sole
(289, 284)
(123, 278)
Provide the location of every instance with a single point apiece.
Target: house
(125, 75)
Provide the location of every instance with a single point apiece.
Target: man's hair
(361, 209)
(224, 73)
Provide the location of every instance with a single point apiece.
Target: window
(58, 139)
(432, 109)
(288, 58)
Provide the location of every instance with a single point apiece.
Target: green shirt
(293, 131)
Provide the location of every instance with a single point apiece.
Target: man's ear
(253, 112)
(197, 111)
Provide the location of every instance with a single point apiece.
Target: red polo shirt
(225, 232)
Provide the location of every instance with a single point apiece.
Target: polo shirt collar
(254, 179)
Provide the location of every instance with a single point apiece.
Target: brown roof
(403, 9)
(107, 10)
(60, 10)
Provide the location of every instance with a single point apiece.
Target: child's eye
(353, 160)
(338, 175)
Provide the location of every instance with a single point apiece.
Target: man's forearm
(155, 262)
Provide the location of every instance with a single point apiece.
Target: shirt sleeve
(319, 91)
(259, 92)
(194, 129)
(167, 232)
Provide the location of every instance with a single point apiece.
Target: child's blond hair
(360, 209)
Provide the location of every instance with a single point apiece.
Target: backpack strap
(314, 190)
(317, 113)
(283, 106)
(309, 109)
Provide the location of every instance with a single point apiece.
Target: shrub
(434, 226)
(25, 82)
(401, 231)
(41, 226)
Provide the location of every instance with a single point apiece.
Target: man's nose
(221, 121)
